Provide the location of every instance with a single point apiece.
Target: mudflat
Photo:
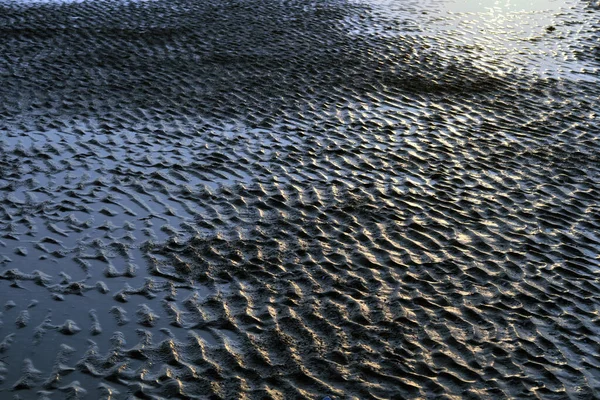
(293, 199)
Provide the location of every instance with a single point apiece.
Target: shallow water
(260, 199)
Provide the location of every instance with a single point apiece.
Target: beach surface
(291, 199)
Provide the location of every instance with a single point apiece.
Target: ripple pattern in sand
(297, 200)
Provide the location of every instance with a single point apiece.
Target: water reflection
(540, 39)
(505, 6)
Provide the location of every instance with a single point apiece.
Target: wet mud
(291, 199)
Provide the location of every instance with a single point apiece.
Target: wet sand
(262, 199)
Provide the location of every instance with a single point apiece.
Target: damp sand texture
(290, 199)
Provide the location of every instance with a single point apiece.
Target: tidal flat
(262, 199)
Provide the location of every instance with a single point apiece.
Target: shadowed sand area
(293, 199)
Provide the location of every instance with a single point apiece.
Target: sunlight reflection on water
(504, 6)
(542, 39)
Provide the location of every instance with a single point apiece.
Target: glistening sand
(294, 199)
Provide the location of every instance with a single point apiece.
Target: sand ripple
(229, 199)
